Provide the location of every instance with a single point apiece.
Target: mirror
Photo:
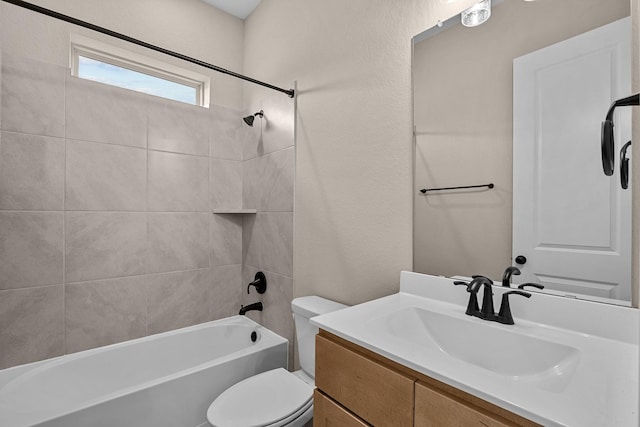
(490, 112)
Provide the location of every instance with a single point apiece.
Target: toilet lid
(261, 400)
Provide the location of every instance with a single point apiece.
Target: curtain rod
(66, 18)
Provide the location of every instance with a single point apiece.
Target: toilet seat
(270, 399)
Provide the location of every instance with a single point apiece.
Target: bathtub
(168, 379)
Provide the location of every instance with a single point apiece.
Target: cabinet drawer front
(377, 394)
(327, 413)
(434, 409)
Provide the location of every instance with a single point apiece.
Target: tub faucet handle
(260, 283)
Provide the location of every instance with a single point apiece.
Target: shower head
(249, 119)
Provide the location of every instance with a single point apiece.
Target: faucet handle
(260, 283)
(504, 316)
(533, 285)
(461, 283)
(472, 305)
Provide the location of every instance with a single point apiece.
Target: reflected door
(570, 221)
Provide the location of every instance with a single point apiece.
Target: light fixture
(476, 14)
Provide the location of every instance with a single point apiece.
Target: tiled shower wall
(268, 186)
(106, 230)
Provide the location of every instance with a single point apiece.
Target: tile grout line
(64, 228)
(147, 285)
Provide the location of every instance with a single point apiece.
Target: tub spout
(255, 306)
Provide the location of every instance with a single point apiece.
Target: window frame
(81, 46)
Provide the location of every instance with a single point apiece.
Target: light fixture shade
(476, 14)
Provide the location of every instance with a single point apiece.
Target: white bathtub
(167, 379)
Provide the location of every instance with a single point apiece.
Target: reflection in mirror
(518, 102)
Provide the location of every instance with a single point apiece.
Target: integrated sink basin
(565, 362)
(498, 348)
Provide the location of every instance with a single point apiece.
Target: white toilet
(278, 397)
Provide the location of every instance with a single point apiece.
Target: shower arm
(72, 20)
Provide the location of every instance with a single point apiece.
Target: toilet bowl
(278, 397)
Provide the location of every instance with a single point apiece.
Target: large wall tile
(177, 241)
(226, 184)
(31, 172)
(103, 113)
(268, 242)
(226, 239)
(32, 325)
(105, 312)
(105, 177)
(30, 249)
(32, 96)
(268, 181)
(225, 294)
(251, 140)
(225, 124)
(178, 182)
(275, 131)
(125, 243)
(177, 300)
(102, 245)
(178, 127)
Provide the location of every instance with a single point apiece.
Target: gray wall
(106, 230)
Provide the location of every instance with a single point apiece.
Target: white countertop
(600, 389)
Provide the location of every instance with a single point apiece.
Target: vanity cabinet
(357, 387)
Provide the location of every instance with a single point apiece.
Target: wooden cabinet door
(326, 413)
(374, 392)
(436, 409)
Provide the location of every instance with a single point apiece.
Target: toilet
(278, 397)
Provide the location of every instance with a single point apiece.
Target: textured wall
(352, 64)
(190, 27)
(105, 213)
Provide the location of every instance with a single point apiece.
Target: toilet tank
(305, 308)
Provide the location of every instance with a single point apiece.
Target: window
(93, 60)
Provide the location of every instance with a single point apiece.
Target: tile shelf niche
(235, 211)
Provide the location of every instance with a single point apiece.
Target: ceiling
(239, 8)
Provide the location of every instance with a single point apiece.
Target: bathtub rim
(269, 339)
